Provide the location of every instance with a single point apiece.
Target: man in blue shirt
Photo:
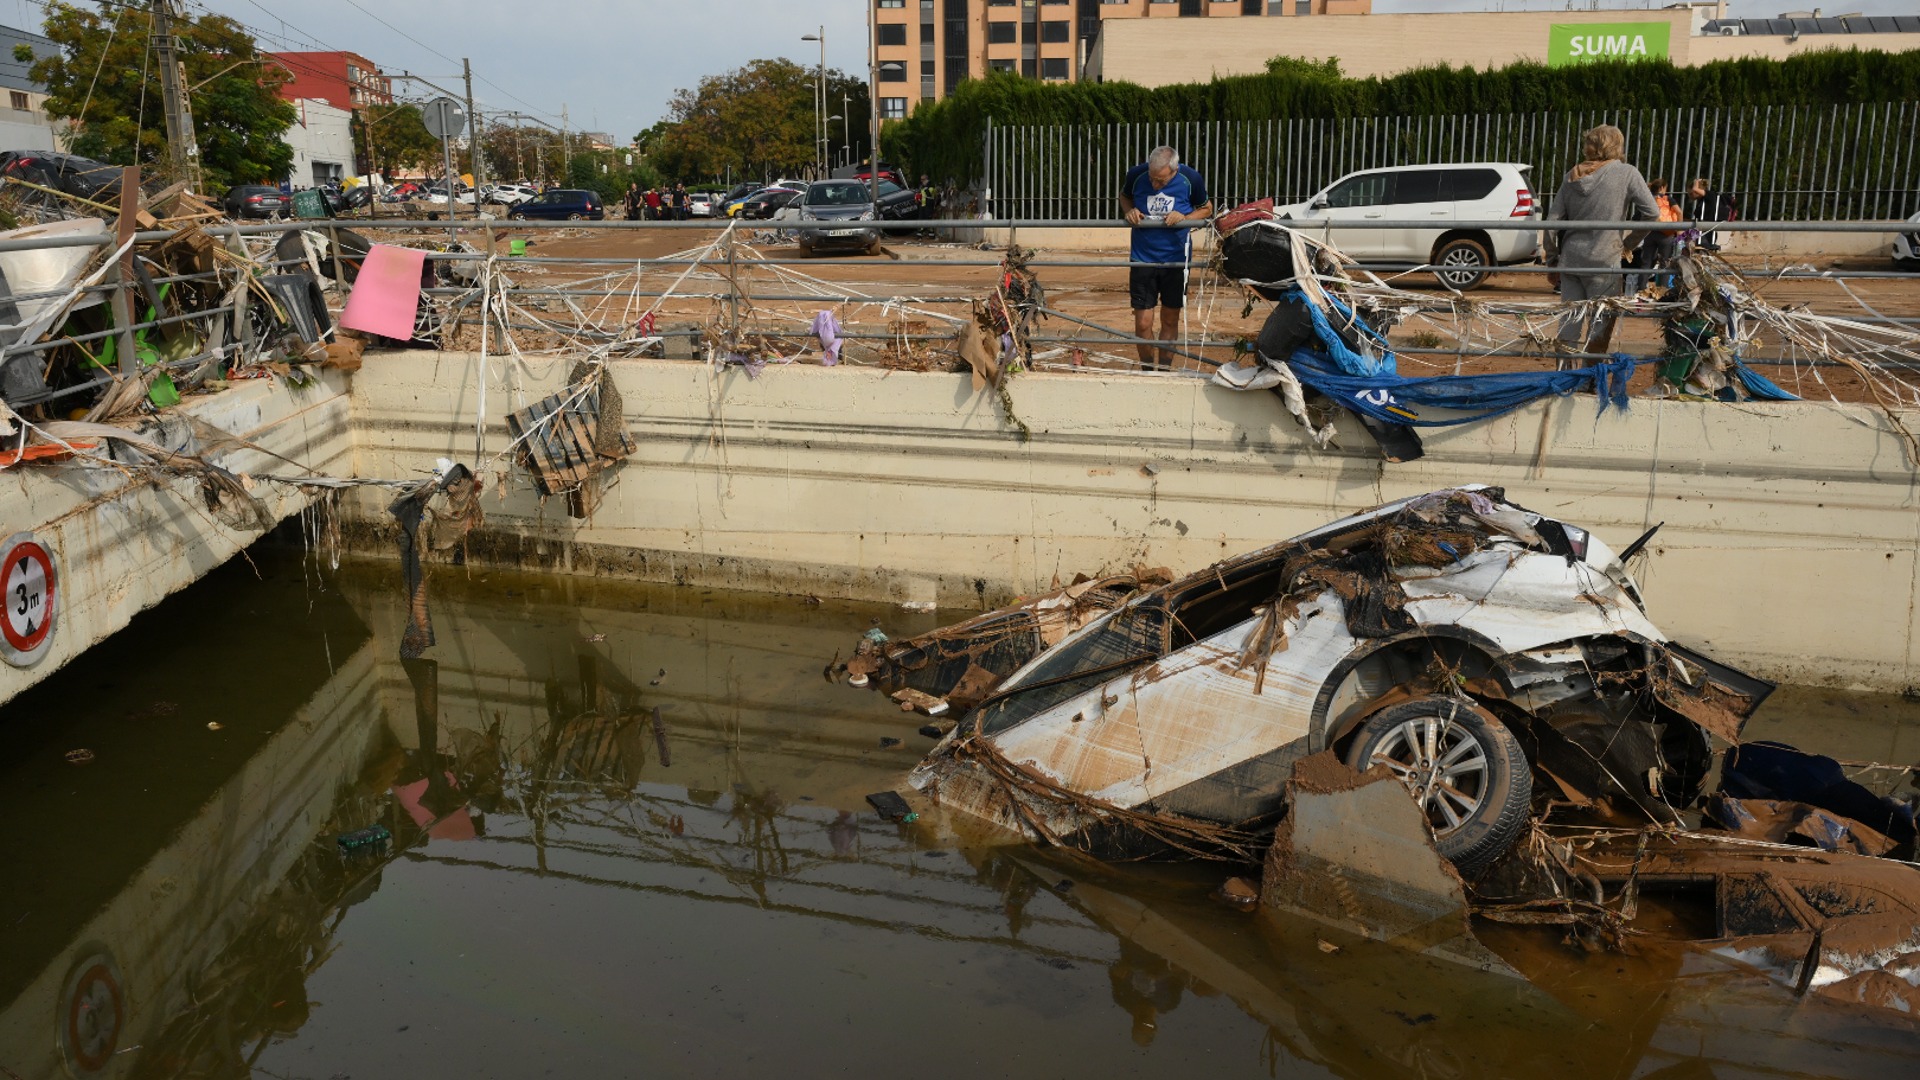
(1161, 191)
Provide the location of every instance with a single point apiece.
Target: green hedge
(943, 138)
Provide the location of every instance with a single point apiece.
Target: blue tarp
(1394, 398)
(1374, 386)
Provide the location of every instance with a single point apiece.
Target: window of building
(1000, 65)
(1053, 67)
(893, 3)
(1303, 7)
(1030, 68)
(893, 71)
(19, 100)
(1002, 33)
(1252, 7)
(893, 108)
(1056, 31)
(926, 69)
(891, 33)
(1000, 3)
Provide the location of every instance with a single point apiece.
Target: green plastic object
(309, 204)
(516, 247)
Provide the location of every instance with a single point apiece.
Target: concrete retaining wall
(1789, 547)
(121, 545)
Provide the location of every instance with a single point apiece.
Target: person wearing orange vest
(1660, 246)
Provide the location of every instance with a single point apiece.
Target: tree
(755, 119)
(103, 81)
(394, 138)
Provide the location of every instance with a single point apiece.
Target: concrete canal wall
(1789, 547)
(122, 542)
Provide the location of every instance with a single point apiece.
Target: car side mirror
(1320, 202)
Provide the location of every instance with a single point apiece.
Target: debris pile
(1496, 664)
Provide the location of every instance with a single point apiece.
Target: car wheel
(1464, 767)
(573, 217)
(1464, 263)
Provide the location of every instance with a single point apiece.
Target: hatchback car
(844, 202)
(761, 205)
(700, 203)
(511, 194)
(256, 201)
(1454, 197)
(568, 204)
(1455, 638)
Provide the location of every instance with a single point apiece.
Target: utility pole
(566, 148)
(873, 104)
(473, 137)
(183, 148)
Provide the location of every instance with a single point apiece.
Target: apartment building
(344, 80)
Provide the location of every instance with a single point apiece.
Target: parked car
(1453, 197)
(841, 201)
(701, 203)
(570, 204)
(256, 201)
(511, 194)
(734, 194)
(1456, 638)
(898, 203)
(70, 173)
(437, 193)
(356, 197)
(1906, 247)
(762, 204)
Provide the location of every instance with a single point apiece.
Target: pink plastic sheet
(386, 295)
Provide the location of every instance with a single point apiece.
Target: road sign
(27, 582)
(444, 117)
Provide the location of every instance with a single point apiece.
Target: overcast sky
(615, 63)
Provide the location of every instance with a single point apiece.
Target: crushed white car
(1478, 650)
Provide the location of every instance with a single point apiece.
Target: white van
(1453, 197)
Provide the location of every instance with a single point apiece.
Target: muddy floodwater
(196, 881)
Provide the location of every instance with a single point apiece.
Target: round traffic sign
(27, 589)
(443, 117)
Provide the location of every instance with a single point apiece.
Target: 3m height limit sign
(1579, 43)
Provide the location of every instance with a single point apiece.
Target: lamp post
(819, 101)
(843, 136)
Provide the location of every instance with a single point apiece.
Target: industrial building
(1156, 51)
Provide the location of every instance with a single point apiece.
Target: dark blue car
(565, 204)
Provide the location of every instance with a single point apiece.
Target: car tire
(806, 249)
(573, 217)
(1474, 821)
(1465, 262)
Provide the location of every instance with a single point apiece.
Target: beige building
(1157, 53)
(927, 47)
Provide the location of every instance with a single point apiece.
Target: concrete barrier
(1789, 546)
(122, 542)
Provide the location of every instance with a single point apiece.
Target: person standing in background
(1704, 204)
(1602, 187)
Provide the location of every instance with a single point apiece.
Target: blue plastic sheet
(1374, 387)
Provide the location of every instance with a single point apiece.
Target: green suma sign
(1579, 43)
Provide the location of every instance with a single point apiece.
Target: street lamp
(843, 136)
(819, 101)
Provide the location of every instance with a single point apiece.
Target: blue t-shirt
(1185, 192)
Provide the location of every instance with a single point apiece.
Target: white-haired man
(1160, 192)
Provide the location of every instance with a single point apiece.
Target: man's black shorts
(1157, 286)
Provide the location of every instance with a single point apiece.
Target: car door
(1418, 195)
(1357, 198)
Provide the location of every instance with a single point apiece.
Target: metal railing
(719, 283)
(1807, 162)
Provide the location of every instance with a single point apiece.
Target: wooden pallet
(556, 440)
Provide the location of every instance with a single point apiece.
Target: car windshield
(888, 187)
(836, 195)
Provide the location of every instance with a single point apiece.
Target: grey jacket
(1614, 192)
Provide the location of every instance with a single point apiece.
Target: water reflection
(626, 828)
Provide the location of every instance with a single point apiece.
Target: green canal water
(572, 889)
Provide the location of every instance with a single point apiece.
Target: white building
(322, 141)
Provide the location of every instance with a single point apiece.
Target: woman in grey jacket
(1603, 187)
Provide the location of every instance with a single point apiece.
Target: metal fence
(1800, 163)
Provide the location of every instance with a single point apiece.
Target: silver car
(1462, 642)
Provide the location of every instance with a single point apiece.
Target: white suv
(1906, 247)
(1454, 197)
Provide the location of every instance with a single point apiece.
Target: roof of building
(13, 73)
(1856, 24)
